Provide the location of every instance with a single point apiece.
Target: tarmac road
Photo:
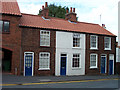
(12, 81)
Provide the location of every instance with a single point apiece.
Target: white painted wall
(117, 54)
(64, 44)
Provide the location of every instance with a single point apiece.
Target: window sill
(107, 49)
(44, 69)
(76, 47)
(45, 46)
(93, 68)
(76, 68)
(93, 48)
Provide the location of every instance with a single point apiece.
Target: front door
(103, 64)
(63, 64)
(28, 66)
(111, 66)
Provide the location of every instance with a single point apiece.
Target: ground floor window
(76, 61)
(44, 61)
(93, 60)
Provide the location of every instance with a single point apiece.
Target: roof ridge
(30, 14)
(88, 23)
(59, 18)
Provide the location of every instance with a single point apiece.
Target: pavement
(13, 79)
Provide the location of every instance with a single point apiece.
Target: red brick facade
(31, 42)
(12, 41)
(99, 52)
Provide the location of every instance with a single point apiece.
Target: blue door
(63, 64)
(103, 64)
(28, 64)
(110, 67)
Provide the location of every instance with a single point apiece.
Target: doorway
(28, 63)
(6, 60)
(63, 64)
(111, 64)
(103, 64)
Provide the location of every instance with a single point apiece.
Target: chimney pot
(70, 9)
(46, 4)
(66, 10)
(42, 7)
(74, 10)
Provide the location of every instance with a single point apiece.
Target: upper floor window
(93, 60)
(93, 42)
(76, 61)
(44, 61)
(44, 38)
(76, 40)
(4, 26)
(107, 43)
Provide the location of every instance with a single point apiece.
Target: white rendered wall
(64, 44)
(117, 54)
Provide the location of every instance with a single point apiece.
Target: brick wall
(99, 52)
(31, 42)
(12, 41)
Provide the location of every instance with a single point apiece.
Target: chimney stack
(103, 25)
(45, 11)
(71, 15)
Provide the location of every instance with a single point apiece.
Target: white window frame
(109, 44)
(96, 60)
(79, 41)
(48, 68)
(41, 40)
(79, 61)
(96, 42)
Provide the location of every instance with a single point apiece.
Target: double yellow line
(57, 82)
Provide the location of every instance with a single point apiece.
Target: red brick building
(30, 42)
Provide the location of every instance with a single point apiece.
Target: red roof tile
(61, 24)
(9, 7)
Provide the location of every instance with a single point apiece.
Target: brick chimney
(103, 25)
(71, 15)
(45, 11)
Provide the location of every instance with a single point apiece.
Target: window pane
(6, 26)
(45, 38)
(76, 40)
(44, 61)
(107, 42)
(93, 41)
(76, 60)
(93, 60)
(1, 26)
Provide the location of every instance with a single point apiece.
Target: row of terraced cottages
(43, 45)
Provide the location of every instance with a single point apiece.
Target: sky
(91, 11)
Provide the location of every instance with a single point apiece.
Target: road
(99, 83)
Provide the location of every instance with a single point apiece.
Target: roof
(9, 7)
(36, 21)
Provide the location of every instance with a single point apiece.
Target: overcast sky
(87, 10)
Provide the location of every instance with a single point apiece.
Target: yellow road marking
(57, 82)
